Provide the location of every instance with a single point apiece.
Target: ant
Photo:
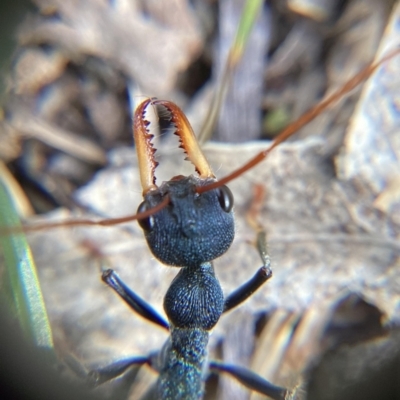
(186, 318)
(193, 229)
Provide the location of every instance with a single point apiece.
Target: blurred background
(71, 74)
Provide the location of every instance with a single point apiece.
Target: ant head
(193, 228)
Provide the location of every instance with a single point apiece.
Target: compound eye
(147, 224)
(225, 198)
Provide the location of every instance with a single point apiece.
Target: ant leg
(251, 380)
(98, 376)
(132, 299)
(260, 277)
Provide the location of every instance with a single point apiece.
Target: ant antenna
(302, 121)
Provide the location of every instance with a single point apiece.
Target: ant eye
(147, 224)
(225, 198)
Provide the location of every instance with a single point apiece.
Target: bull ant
(188, 222)
(193, 229)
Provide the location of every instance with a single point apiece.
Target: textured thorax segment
(193, 304)
(195, 298)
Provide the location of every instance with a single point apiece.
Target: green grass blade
(250, 12)
(19, 284)
(249, 15)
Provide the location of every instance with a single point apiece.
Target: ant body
(190, 232)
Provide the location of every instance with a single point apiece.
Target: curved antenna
(187, 139)
(299, 123)
(144, 148)
(86, 221)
